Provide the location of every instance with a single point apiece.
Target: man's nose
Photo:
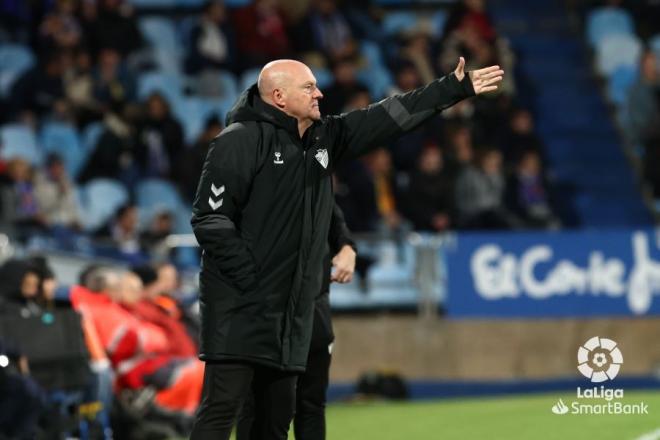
(318, 94)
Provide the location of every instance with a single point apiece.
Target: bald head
(279, 74)
(290, 86)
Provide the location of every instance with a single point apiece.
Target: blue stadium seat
(378, 79)
(399, 22)
(193, 112)
(248, 78)
(617, 50)
(438, 22)
(237, 3)
(162, 36)
(606, 21)
(16, 57)
(91, 135)
(100, 200)
(229, 85)
(323, 77)
(170, 85)
(620, 81)
(63, 139)
(190, 3)
(19, 140)
(14, 60)
(372, 53)
(157, 195)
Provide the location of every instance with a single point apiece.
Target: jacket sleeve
(221, 194)
(339, 235)
(364, 129)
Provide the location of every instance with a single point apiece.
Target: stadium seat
(63, 139)
(190, 3)
(248, 78)
(193, 112)
(395, 23)
(229, 85)
(372, 53)
(19, 140)
(91, 135)
(170, 85)
(156, 195)
(438, 22)
(323, 77)
(163, 38)
(607, 21)
(237, 3)
(378, 79)
(619, 83)
(617, 50)
(100, 199)
(14, 60)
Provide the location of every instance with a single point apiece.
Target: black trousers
(309, 420)
(226, 387)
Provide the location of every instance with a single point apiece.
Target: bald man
(262, 214)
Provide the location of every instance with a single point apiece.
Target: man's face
(302, 96)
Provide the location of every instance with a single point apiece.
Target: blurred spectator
(326, 29)
(114, 155)
(461, 152)
(61, 28)
(122, 230)
(19, 292)
(55, 195)
(153, 239)
(428, 202)
(193, 158)
(526, 194)
(379, 164)
(111, 24)
(113, 84)
(79, 88)
(417, 51)
(472, 14)
(480, 193)
(39, 90)
(19, 207)
(519, 136)
(261, 34)
(160, 140)
(642, 107)
(212, 41)
(345, 85)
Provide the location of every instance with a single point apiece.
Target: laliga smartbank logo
(599, 360)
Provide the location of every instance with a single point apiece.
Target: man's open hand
(483, 80)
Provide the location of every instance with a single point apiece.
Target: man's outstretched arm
(361, 130)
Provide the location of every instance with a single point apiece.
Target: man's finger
(487, 70)
(487, 89)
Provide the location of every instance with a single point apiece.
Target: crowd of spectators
(479, 165)
(136, 352)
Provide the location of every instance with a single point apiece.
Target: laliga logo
(599, 359)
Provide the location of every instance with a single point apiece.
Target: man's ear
(279, 98)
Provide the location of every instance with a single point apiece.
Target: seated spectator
(193, 158)
(160, 140)
(345, 85)
(326, 29)
(152, 240)
(111, 24)
(61, 28)
(114, 154)
(40, 90)
(471, 13)
(519, 136)
(79, 89)
(19, 207)
(122, 230)
(461, 152)
(113, 84)
(428, 203)
(261, 34)
(526, 194)
(55, 196)
(212, 41)
(19, 293)
(480, 194)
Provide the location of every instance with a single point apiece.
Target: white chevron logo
(322, 156)
(217, 191)
(215, 205)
